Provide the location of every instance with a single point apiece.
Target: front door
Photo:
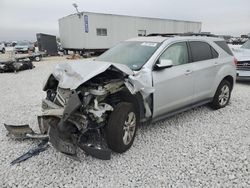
(174, 86)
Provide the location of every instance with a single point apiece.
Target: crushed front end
(76, 117)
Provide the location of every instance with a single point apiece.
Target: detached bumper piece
(23, 132)
(65, 137)
(68, 145)
(61, 134)
(32, 152)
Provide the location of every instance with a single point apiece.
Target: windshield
(134, 54)
(246, 45)
(22, 44)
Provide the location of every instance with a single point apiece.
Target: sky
(22, 19)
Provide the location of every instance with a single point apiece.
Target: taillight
(235, 61)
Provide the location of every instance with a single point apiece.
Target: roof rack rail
(181, 34)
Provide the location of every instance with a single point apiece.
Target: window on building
(141, 33)
(101, 32)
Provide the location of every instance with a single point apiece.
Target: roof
(160, 39)
(149, 39)
(85, 12)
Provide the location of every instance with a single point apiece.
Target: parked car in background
(24, 47)
(242, 55)
(2, 47)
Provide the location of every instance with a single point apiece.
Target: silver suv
(140, 80)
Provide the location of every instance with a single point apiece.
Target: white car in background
(242, 55)
(2, 47)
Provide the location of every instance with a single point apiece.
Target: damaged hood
(71, 75)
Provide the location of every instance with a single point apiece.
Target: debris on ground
(74, 56)
(32, 152)
(15, 66)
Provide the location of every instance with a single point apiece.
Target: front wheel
(121, 127)
(222, 95)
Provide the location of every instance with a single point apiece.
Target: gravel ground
(198, 148)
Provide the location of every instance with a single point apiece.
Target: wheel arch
(230, 79)
(226, 72)
(136, 100)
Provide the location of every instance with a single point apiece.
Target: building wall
(119, 28)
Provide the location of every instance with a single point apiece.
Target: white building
(95, 31)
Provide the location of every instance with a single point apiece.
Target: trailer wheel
(38, 58)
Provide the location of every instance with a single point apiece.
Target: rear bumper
(243, 75)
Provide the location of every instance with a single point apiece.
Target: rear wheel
(222, 95)
(3, 50)
(121, 127)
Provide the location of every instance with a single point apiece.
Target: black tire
(3, 50)
(218, 101)
(37, 58)
(114, 130)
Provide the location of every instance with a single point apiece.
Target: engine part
(98, 92)
(99, 109)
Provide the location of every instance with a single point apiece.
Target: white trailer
(87, 31)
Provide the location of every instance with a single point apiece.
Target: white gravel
(198, 148)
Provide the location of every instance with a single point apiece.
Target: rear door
(174, 86)
(205, 67)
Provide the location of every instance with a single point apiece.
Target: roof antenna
(78, 13)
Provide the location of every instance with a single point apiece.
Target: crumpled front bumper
(64, 132)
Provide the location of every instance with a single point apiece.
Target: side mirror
(164, 63)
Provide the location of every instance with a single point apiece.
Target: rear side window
(224, 46)
(200, 51)
(214, 53)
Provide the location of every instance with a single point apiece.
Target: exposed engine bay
(78, 116)
(82, 111)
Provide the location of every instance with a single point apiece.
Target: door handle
(216, 63)
(188, 72)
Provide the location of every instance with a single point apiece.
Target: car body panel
(174, 88)
(227, 68)
(204, 72)
(242, 55)
(72, 75)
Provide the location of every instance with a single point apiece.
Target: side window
(224, 46)
(141, 33)
(214, 53)
(200, 51)
(177, 52)
(101, 32)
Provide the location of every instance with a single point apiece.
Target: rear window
(224, 46)
(200, 51)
